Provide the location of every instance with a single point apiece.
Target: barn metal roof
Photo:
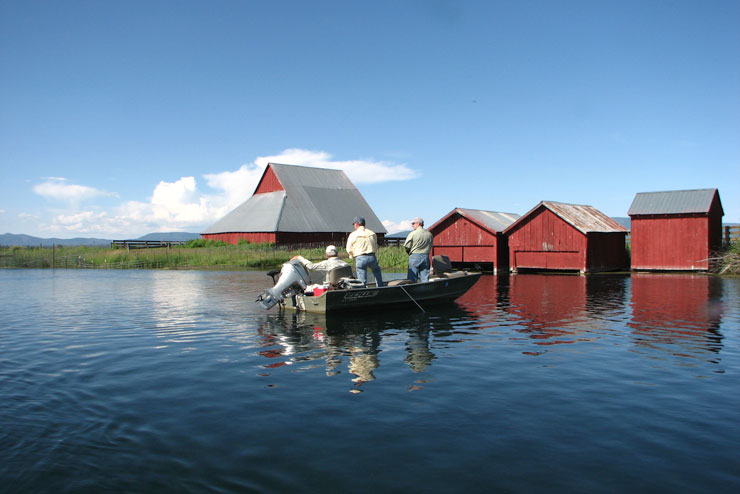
(314, 200)
(586, 219)
(490, 220)
(673, 202)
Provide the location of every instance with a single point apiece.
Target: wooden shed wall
(286, 238)
(234, 237)
(545, 241)
(464, 241)
(672, 242)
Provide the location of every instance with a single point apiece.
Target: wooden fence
(730, 233)
(144, 244)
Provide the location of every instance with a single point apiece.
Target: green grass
(196, 254)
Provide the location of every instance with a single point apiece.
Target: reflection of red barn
(472, 236)
(551, 307)
(675, 230)
(680, 313)
(297, 204)
(558, 236)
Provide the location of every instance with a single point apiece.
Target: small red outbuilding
(675, 230)
(568, 237)
(473, 236)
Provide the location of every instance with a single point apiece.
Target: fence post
(727, 237)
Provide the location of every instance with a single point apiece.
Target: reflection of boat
(346, 295)
(349, 342)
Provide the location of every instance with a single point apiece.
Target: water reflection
(677, 313)
(357, 340)
(551, 308)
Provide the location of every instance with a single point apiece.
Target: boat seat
(443, 267)
(399, 282)
(337, 274)
(441, 264)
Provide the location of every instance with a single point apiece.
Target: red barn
(473, 236)
(297, 204)
(675, 230)
(570, 237)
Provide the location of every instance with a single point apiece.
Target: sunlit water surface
(146, 381)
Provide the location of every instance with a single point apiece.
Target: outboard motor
(293, 279)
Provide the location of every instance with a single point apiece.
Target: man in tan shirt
(362, 244)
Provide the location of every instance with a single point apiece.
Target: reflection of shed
(551, 308)
(675, 230)
(473, 236)
(678, 313)
(558, 236)
(297, 204)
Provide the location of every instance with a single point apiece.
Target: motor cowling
(293, 279)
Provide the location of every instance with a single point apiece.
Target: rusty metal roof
(586, 219)
(313, 200)
(490, 220)
(673, 202)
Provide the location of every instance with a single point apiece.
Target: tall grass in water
(196, 254)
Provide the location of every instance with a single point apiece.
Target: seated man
(332, 261)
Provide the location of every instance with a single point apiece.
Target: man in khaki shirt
(362, 244)
(418, 246)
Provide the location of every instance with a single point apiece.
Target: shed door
(548, 260)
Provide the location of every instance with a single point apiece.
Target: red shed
(558, 236)
(675, 230)
(297, 204)
(473, 236)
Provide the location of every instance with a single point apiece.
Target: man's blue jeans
(418, 267)
(368, 261)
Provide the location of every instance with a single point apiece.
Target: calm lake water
(176, 381)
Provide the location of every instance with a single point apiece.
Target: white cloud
(181, 205)
(359, 171)
(394, 227)
(56, 188)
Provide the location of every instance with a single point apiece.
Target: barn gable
(317, 203)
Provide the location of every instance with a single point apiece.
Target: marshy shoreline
(201, 254)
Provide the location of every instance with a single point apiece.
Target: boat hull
(372, 298)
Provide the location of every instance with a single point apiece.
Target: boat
(345, 293)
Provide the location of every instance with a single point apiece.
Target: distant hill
(29, 241)
(624, 221)
(170, 236)
(398, 234)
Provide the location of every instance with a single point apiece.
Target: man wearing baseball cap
(418, 246)
(362, 244)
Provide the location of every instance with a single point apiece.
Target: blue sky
(120, 118)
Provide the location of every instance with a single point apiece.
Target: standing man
(362, 244)
(418, 246)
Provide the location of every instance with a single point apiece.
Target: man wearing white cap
(418, 246)
(332, 261)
